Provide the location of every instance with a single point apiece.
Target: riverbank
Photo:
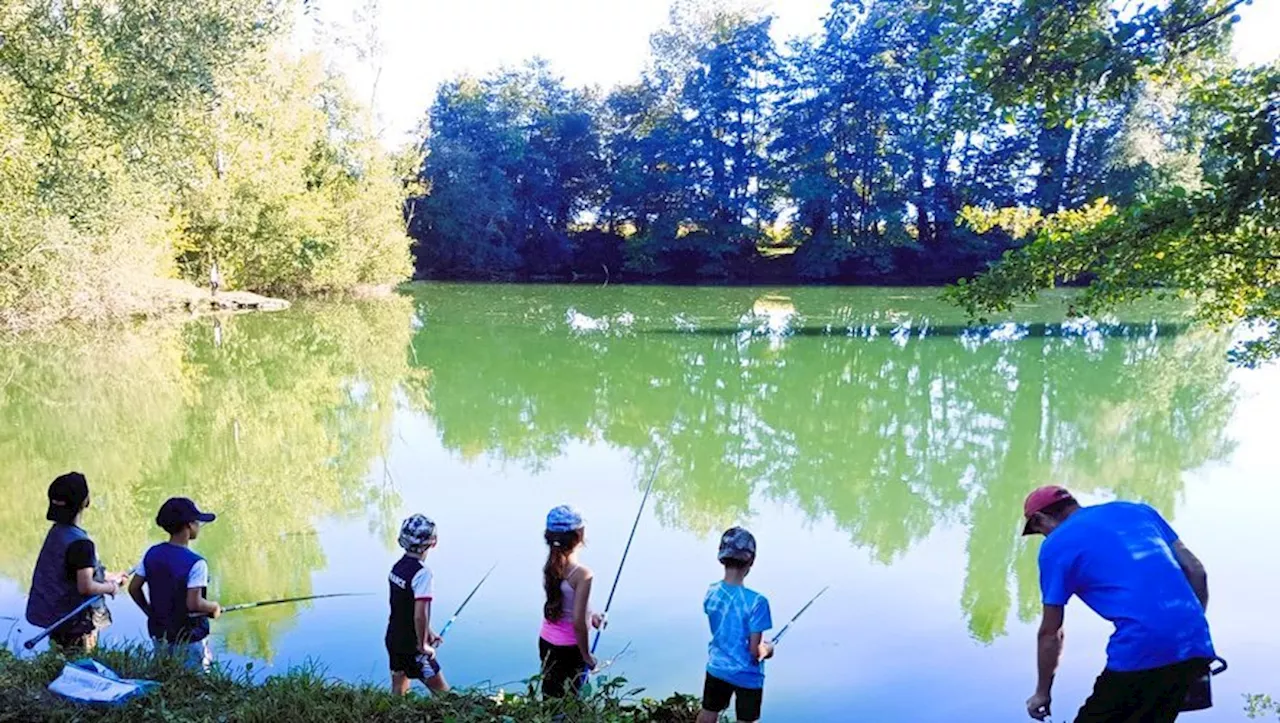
(302, 695)
(144, 299)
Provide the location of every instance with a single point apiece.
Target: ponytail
(559, 546)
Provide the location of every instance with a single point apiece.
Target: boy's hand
(216, 612)
(434, 640)
(428, 651)
(766, 650)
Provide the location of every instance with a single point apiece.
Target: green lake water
(869, 440)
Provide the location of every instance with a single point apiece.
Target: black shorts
(414, 665)
(1150, 696)
(562, 669)
(716, 694)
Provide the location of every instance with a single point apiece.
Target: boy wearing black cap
(739, 618)
(177, 581)
(67, 571)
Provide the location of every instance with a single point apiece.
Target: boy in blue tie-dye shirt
(739, 618)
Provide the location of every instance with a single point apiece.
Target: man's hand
(216, 612)
(1038, 706)
(434, 640)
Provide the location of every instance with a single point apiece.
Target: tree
(138, 145)
(1220, 244)
(512, 161)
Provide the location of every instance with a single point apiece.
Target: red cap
(1039, 499)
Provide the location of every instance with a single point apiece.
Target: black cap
(67, 495)
(178, 511)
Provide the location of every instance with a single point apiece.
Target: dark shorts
(1142, 696)
(716, 694)
(415, 666)
(80, 634)
(562, 669)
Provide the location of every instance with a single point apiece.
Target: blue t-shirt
(735, 614)
(1118, 558)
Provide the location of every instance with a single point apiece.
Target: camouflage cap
(416, 533)
(737, 544)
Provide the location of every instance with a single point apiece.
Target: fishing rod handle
(59, 623)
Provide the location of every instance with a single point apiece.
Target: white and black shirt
(409, 582)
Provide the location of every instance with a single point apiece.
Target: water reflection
(272, 421)
(887, 435)
(877, 412)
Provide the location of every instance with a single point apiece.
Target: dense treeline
(848, 156)
(146, 140)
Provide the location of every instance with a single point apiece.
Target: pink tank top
(560, 632)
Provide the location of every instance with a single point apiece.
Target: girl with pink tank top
(562, 643)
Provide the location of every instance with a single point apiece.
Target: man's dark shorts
(716, 694)
(1142, 696)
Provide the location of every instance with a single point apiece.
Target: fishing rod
(652, 476)
(78, 609)
(783, 631)
(282, 601)
(449, 623)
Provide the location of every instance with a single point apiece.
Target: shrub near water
(140, 141)
(301, 695)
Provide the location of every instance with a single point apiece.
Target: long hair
(559, 546)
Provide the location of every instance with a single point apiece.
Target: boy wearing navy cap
(67, 571)
(177, 580)
(739, 617)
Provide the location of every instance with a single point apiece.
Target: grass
(304, 695)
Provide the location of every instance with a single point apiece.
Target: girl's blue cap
(564, 519)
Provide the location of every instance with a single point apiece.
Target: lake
(869, 439)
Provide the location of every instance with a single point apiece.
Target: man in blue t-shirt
(739, 618)
(1125, 562)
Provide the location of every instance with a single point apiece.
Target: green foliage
(306, 695)
(860, 146)
(1257, 705)
(292, 194)
(1219, 244)
(113, 119)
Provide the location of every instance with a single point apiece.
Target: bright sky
(589, 42)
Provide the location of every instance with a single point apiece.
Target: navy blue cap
(737, 544)
(179, 511)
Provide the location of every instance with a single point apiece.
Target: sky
(589, 42)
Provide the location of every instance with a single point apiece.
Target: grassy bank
(302, 696)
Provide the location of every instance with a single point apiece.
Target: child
(67, 571)
(739, 617)
(562, 644)
(411, 643)
(177, 581)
